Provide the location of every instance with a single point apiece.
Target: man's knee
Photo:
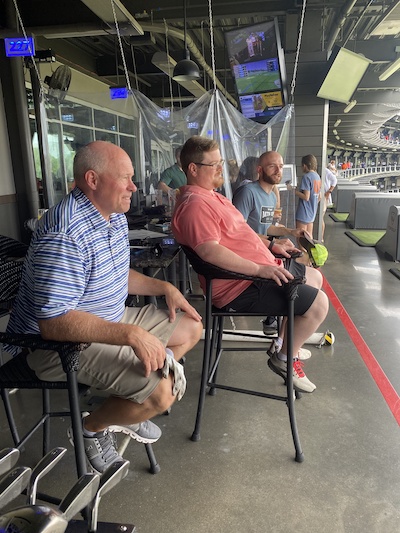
(189, 331)
(197, 331)
(314, 277)
(162, 398)
(320, 306)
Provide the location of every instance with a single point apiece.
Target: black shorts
(270, 300)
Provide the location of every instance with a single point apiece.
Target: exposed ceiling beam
(104, 10)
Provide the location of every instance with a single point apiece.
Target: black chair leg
(46, 418)
(206, 364)
(76, 422)
(218, 330)
(10, 417)
(299, 456)
(154, 466)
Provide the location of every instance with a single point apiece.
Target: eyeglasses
(214, 165)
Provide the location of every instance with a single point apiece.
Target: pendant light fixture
(186, 69)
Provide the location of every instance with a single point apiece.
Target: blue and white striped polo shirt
(76, 261)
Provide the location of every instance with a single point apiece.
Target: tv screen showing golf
(256, 60)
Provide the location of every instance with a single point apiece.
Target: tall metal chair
(16, 373)
(213, 338)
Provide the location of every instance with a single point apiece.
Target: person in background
(257, 201)
(330, 183)
(233, 169)
(173, 177)
(74, 286)
(208, 223)
(308, 194)
(248, 171)
(332, 166)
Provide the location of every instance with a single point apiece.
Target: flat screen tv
(345, 70)
(258, 68)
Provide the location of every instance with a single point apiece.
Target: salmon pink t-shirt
(200, 216)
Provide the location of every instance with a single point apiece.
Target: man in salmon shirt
(207, 222)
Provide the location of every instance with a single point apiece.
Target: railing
(357, 172)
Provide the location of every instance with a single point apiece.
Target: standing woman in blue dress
(308, 194)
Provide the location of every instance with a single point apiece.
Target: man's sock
(282, 356)
(86, 432)
(278, 344)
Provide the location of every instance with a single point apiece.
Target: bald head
(104, 172)
(94, 156)
(271, 155)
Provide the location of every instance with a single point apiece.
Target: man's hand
(150, 351)
(278, 274)
(281, 246)
(175, 300)
(297, 233)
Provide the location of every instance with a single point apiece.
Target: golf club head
(13, 484)
(41, 469)
(8, 459)
(112, 476)
(109, 479)
(33, 519)
(81, 494)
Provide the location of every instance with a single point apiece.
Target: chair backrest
(10, 249)
(12, 254)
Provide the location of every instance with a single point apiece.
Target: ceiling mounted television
(345, 71)
(258, 68)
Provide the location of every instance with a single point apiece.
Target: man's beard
(271, 180)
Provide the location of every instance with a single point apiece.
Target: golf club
(41, 469)
(109, 479)
(13, 484)
(8, 459)
(44, 519)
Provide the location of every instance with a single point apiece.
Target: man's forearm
(278, 231)
(80, 326)
(221, 256)
(163, 187)
(146, 286)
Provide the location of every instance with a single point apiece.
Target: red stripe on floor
(380, 378)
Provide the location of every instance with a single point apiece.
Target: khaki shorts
(113, 369)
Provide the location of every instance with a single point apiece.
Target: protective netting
(150, 134)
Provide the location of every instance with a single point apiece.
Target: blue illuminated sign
(118, 92)
(19, 47)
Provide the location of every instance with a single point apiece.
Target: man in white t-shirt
(330, 183)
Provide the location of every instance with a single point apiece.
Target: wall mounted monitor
(344, 74)
(288, 176)
(258, 68)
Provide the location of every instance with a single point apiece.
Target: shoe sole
(132, 434)
(278, 371)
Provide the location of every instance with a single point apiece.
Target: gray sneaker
(146, 432)
(302, 354)
(100, 449)
(301, 382)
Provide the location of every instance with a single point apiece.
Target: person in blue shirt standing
(308, 194)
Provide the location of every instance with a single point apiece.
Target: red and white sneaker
(301, 382)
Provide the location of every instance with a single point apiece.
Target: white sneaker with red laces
(301, 382)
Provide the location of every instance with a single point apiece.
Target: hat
(317, 252)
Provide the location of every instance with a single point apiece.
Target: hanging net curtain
(161, 130)
(150, 134)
